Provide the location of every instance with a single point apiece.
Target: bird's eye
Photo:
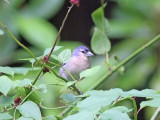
(83, 51)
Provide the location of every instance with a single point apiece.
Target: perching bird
(78, 63)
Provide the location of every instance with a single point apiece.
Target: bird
(78, 63)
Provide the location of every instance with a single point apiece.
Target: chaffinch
(79, 62)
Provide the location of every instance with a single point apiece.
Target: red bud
(76, 2)
(17, 101)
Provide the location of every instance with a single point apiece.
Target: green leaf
(25, 82)
(43, 88)
(47, 50)
(99, 19)
(23, 70)
(151, 103)
(89, 72)
(114, 114)
(98, 99)
(38, 32)
(68, 84)
(5, 85)
(30, 109)
(1, 32)
(149, 93)
(83, 115)
(94, 102)
(121, 109)
(22, 83)
(50, 117)
(65, 55)
(5, 116)
(6, 101)
(68, 97)
(115, 91)
(24, 118)
(100, 43)
(55, 57)
(7, 70)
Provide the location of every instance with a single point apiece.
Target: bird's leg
(80, 92)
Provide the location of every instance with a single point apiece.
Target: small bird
(79, 62)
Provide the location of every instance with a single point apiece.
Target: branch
(60, 30)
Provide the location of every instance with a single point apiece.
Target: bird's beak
(89, 54)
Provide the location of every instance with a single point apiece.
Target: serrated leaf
(7, 70)
(115, 91)
(151, 103)
(98, 99)
(5, 116)
(5, 85)
(100, 43)
(68, 97)
(65, 55)
(149, 93)
(30, 109)
(24, 118)
(84, 115)
(50, 117)
(47, 50)
(93, 102)
(6, 101)
(43, 88)
(89, 72)
(113, 114)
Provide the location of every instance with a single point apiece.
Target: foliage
(24, 89)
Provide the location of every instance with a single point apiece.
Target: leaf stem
(53, 108)
(38, 76)
(135, 109)
(156, 115)
(14, 115)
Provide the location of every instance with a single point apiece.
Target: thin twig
(14, 115)
(60, 30)
(27, 96)
(54, 108)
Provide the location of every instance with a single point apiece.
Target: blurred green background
(131, 24)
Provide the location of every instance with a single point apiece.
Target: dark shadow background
(79, 22)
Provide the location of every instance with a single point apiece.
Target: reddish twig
(59, 32)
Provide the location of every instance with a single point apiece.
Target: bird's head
(81, 51)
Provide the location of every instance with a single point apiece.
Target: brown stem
(59, 32)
